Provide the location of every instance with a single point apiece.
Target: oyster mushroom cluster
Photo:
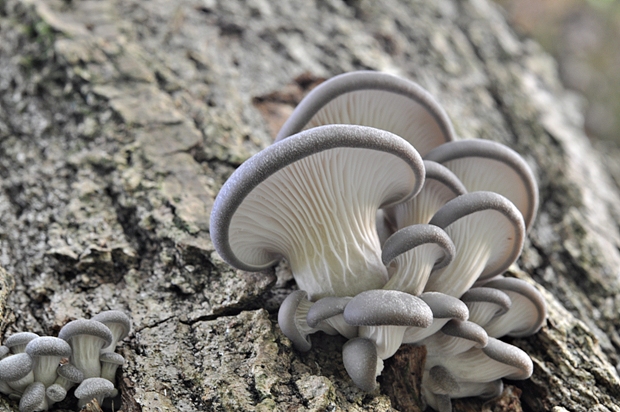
(40, 370)
(395, 232)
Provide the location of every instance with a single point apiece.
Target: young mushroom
(119, 324)
(444, 308)
(440, 186)
(412, 253)
(488, 232)
(378, 100)
(455, 337)
(485, 303)
(312, 198)
(68, 376)
(86, 338)
(93, 388)
(18, 341)
(47, 352)
(526, 314)
(491, 166)
(33, 399)
(16, 371)
(359, 356)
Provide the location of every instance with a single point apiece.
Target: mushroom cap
(19, 340)
(117, 321)
(491, 166)
(488, 232)
(48, 346)
(326, 308)
(32, 398)
(359, 356)
(378, 100)
(287, 321)
(510, 355)
(92, 388)
(15, 367)
(440, 186)
(70, 373)
(485, 303)
(412, 253)
(413, 236)
(312, 198)
(528, 304)
(445, 306)
(466, 330)
(387, 307)
(88, 327)
(112, 358)
(56, 393)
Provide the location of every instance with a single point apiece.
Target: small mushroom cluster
(40, 370)
(395, 232)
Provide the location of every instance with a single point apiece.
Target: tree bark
(120, 120)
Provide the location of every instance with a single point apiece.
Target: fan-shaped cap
(326, 308)
(287, 321)
(440, 186)
(488, 232)
(360, 359)
(86, 327)
(527, 313)
(387, 307)
(466, 330)
(455, 337)
(119, 324)
(312, 198)
(510, 355)
(18, 341)
(33, 398)
(485, 303)
(415, 251)
(445, 306)
(490, 166)
(377, 100)
(48, 346)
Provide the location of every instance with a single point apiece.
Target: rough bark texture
(120, 120)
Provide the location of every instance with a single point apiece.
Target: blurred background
(584, 37)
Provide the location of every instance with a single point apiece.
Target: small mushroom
(378, 100)
(16, 371)
(33, 398)
(110, 362)
(292, 320)
(68, 376)
(488, 232)
(383, 316)
(18, 341)
(491, 166)
(455, 337)
(93, 388)
(485, 303)
(444, 308)
(526, 314)
(55, 393)
(361, 362)
(86, 338)
(440, 186)
(413, 252)
(46, 353)
(119, 324)
(329, 311)
(312, 198)
(495, 361)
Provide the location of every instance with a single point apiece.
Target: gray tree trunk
(120, 120)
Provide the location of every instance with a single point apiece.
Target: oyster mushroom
(18, 341)
(412, 253)
(119, 324)
(312, 199)
(444, 308)
(16, 371)
(485, 303)
(488, 232)
(440, 186)
(455, 337)
(47, 352)
(33, 398)
(93, 388)
(86, 338)
(526, 314)
(378, 100)
(491, 166)
(292, 319)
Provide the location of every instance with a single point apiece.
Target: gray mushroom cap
(326, 308)
(33, 398)
(445, 306)
(70, 373)
(56, 392)
(119, 324)
(93, 388)
(485, 303)
(466, 330)
(491, 166)
(510, 355)
(440, 186)
(488, 232)
(15, 367)
(86, 338)
(18, 341)
(378, 100)
(413, 236)
(280, 203)
(110, 362)
(47, 352)
(359, 356)
(288, 324)
(526, 315)
(387, 307)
